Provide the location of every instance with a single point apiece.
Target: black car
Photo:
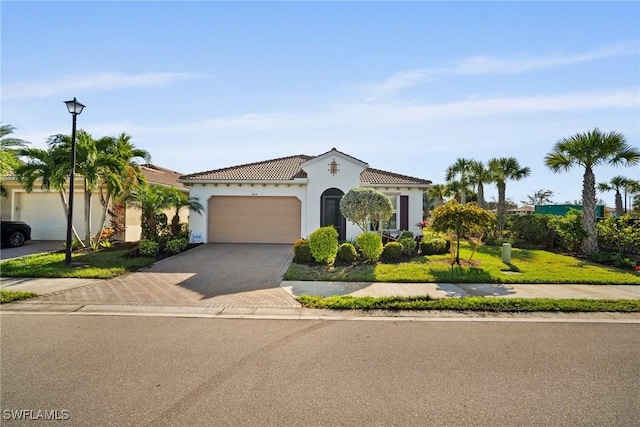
(14, 233)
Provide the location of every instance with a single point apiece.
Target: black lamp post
(74, 108)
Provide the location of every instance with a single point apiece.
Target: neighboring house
(281, 200)
(43, 211)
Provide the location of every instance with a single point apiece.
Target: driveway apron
(211, 275)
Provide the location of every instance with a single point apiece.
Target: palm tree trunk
(619, 210)
(481, 195)
(590, 243)
(103, 218)
(501, 208)
(463, 192)
(65, 206)
(87, 215)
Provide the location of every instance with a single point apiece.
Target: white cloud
(480, 65)
(89, 82)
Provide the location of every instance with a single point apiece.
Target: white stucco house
(281, 200)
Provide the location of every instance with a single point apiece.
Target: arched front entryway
(330, 211)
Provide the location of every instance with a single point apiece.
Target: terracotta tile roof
(158, 175)
(288, 168)
(376, 176)
(282, 169)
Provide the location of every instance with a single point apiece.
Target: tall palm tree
(588, 150)
(9, 154)
(151, 200)
(479, 175)
(126, 153)
(502, 170)
(178, 200)
(460, 168)
(615, 184)
(43, 165)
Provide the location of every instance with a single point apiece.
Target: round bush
(371, 245)
(408, 245)
(391, 251)
(406, 234)
(435, 247)
(324, 244)
(347, 253)
(175, 246)
(302, 252)
(148, 248)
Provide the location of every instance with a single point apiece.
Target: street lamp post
(74, 108)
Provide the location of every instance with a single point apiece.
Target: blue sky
(406, 87)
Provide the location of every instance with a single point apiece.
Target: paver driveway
(211, 275)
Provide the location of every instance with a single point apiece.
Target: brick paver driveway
(211, 275)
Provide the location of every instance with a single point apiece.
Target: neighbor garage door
(44, 213)
(254, 219)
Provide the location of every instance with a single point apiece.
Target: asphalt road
(116, 371)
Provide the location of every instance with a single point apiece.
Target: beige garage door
(254, 219)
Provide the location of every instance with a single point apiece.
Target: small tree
(364, 206)
(453, 217)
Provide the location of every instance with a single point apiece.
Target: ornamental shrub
(569, 227)
(347, 253)
(370, 245)
(148, 248)
(435, 246)
(302, 252)
(405, 234)
(391, 251)
(324, 244)
(365, 206)
(175, 246)
(408, 245)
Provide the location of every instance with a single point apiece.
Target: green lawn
(527, 266)
(10, 296)
(103, 264)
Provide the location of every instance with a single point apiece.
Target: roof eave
(295, 181)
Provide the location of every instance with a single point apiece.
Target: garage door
(254, 219)
(44, 213)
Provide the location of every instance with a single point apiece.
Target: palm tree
(151, 200)
(437, 193)
(123, 150)
(631, 190)
(588, 150)
(460, 168)
(9, 154)
(615, 184)
(479, 175)
(43, 165)
(504, 169)
(178, 200)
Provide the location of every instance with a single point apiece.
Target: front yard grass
(7, 296)
(527, 266)
(104, 264)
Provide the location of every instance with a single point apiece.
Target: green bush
(408, 246)
(569, 227)
(148, 248)
(437, 246)
(370, 245)
(324, 244)
(347, 253)
(533, 231)
(613, 259)
(621, 235)
(391, 251)
(302, 252)
(406, 234)
(175, 246)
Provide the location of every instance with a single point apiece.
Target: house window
(392, 224)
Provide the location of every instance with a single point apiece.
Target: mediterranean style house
(281, 200)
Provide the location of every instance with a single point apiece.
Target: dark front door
(330, 211)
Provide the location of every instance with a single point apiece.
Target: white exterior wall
(198, 224)
(320, 180)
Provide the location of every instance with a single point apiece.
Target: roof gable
(334, 153)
